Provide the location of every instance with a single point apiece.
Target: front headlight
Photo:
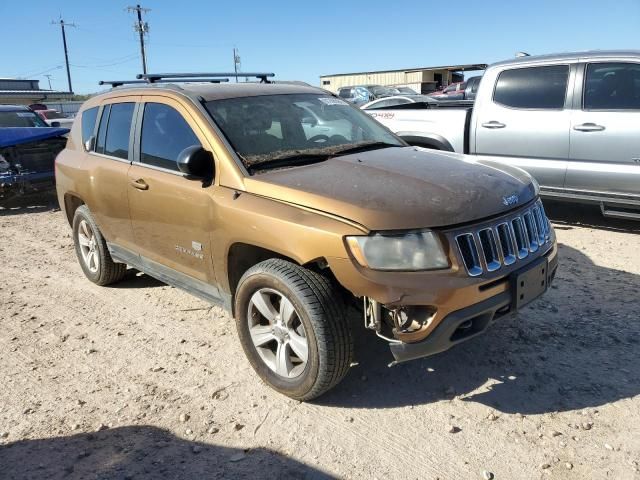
(407, 252)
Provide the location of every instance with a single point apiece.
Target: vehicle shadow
(32, 203)
(567, 215)
(566, 351)
(143, 452)
(136, 279)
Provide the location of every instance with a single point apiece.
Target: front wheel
(293, 328)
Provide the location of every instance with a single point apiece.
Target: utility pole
(48, 75)
(143, 29)
(236, 61)
(64, 43)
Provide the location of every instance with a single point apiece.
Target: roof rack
(118, 83)
(155, 77)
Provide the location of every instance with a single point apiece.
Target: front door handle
(588, 127)
(493, 124)
(140, 184)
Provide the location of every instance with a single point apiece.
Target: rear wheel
(293, 328)
(92, 251)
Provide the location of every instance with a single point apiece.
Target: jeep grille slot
(532, 231)
(469, 251)
(522, 240)
(506, 243)
(491, 247)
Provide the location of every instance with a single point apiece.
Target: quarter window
(612, 86)
(88, 123)
(533, 87)
(118, 130)
(165, 134)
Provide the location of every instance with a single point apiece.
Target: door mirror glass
(196, 162)
(55, 124)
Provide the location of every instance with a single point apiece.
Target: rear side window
(118, 130)
(344, 93)
(533, 87)
(165, 133)
(102, 131)
(612, 86)
(88, 123)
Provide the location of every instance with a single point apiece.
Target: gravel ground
(141, 380)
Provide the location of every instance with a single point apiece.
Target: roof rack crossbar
(154, 77)
(118, 83)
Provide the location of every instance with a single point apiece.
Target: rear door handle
(140, 184)
(493, 124)
(588, 127)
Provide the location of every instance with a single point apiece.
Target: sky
(298, 40)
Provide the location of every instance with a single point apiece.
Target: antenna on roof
(154, 77)
(522, 54)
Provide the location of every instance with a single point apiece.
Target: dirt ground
(141, 380)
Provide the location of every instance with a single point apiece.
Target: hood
(16, 135)
(400, 188)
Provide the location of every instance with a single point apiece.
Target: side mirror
(55, 124)
(196, 162)
(90, 144)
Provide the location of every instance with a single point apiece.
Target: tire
(318, 317)
(94, 257)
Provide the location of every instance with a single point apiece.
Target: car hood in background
(17, 135)
(400, 188)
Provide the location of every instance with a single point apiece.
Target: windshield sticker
(332, 101)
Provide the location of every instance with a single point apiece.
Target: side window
(612, 86)
(102, 131)
(165, 134)
(533, 87)
(88, 123)
(118, 130)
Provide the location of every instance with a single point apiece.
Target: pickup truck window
(532, 87)
(612, 86)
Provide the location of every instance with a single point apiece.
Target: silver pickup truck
(571, 120)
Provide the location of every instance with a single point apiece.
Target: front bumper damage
(469, 322)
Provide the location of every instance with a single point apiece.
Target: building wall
(399, 78)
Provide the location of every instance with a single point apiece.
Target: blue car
(28, 149)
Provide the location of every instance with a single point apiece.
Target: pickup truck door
(605, 130)
(526, 121)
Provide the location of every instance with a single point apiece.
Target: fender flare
(428, 140)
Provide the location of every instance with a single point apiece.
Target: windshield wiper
(293, 160)
(363, 147)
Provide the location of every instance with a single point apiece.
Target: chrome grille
(490, 247)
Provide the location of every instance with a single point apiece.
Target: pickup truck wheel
(293, 328)
(92, 251)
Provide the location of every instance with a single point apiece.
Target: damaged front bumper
(524, 286)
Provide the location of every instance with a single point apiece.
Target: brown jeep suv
(287, 206)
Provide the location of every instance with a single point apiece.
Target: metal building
(422, 80)
(26, 92)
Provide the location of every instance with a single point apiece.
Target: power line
(64, 43)
(143, 29)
